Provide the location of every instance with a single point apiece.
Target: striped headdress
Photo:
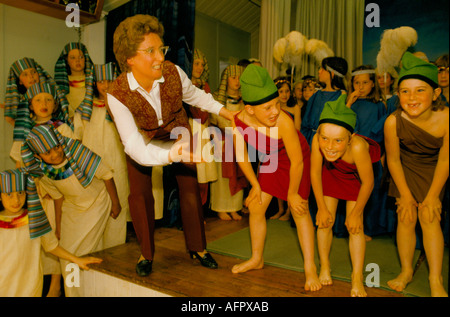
(38, 88)
(62, 70)
(20, 180)
(16, 106)
(107, 71)
(231, 71)
(200, 82)
(42, 138)
(62, 106)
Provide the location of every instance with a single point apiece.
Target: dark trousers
(142, 207)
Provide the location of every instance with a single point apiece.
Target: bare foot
(358, 288)
(224, 216)
(312, 281)
(277, 215)
(235, 216)
(368, 238)
(252, 264)
(325, 276)
(437, 288)
(399, 283)
(285, 217)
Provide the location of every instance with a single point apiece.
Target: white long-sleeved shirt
(156, 152)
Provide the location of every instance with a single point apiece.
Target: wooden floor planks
(175, 274)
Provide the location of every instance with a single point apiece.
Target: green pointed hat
(414, 67)
(337, 112)
(256, 86)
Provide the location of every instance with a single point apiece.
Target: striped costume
(21, 273)
(62, 73)
(80, 181)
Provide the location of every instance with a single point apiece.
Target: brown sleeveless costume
(140, 177)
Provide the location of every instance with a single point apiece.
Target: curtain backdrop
(275, 23)
(339, 23)
(177, 17)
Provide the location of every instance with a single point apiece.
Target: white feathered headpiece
(394, 43)
(289, 49)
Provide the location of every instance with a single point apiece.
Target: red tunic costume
(277, 183)
(341, 179)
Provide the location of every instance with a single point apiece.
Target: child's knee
(406, 224)
(424, 217)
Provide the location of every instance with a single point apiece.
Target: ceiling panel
(242, 14)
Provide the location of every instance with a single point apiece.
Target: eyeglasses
(152, 51)
(443, 69)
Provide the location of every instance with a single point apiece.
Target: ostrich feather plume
(394, 43)
(295, 48)
(279, 49)
(318, 49)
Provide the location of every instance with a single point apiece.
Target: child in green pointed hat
(283, 172)
(341, 169)
(417, 147)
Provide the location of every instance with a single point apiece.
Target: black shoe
(207, 260)
(144, 267)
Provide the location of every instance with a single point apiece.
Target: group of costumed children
(66, 156)
(66, 144)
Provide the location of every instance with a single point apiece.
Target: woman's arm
(151, 154)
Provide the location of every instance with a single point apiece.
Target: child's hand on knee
(405, 208)
(324, 219)
(254, 194)
(431, 208)
(297, 204)
(354, 223)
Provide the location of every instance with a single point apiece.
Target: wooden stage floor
(176, 274)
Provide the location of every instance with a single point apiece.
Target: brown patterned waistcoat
(172, 110)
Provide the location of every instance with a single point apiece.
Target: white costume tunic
(75, 97)
(101, 136)
(221, 198)
(85, 212)
(21, 273)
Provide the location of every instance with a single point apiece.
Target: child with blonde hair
(283, 173)
(341, 168)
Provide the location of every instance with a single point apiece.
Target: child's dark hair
(279, 82)
(339, 65)
(442, 61)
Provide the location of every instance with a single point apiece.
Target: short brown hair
(130, 33)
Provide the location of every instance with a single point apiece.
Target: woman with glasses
(146, 101)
